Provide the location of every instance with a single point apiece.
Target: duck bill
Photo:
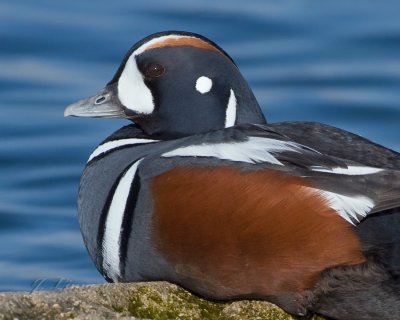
(105, 104)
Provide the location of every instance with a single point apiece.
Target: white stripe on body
(108, 146)
(113, 226)
(350, 170)
(254, 150)
(353, 209)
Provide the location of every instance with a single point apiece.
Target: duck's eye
(154, 70)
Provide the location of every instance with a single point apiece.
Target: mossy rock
(153, 300)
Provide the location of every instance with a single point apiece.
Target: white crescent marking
(113, 226)
(132, 91)
(108, 146)
(230, 116)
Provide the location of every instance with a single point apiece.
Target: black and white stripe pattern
(254, 150)
(113, 145)
(114, 228)
(117, 216)
(259, 149)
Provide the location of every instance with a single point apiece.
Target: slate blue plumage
(189, 129)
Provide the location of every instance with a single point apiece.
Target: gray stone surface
(153, 300)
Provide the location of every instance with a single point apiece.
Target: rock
(151, 300)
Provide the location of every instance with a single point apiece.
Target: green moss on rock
(155, 300)
(151, 303)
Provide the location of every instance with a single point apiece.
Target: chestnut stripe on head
(176, 40)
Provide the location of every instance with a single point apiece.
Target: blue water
(334, 62)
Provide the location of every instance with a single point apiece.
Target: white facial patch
(203, 84)
(132, 91)
(230, 116)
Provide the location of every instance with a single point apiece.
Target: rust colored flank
(235, 233)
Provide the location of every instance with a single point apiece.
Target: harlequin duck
(202, 192)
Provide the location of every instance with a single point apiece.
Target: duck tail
(366, 291)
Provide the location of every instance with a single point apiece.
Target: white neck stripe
(230, 116)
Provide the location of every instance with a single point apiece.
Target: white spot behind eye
(203, 84)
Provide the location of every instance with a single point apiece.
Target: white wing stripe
(256, 149)
(350, 170)
(116, 144)
(352, 209)
(113, 226)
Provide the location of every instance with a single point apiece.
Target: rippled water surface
(333, 62)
